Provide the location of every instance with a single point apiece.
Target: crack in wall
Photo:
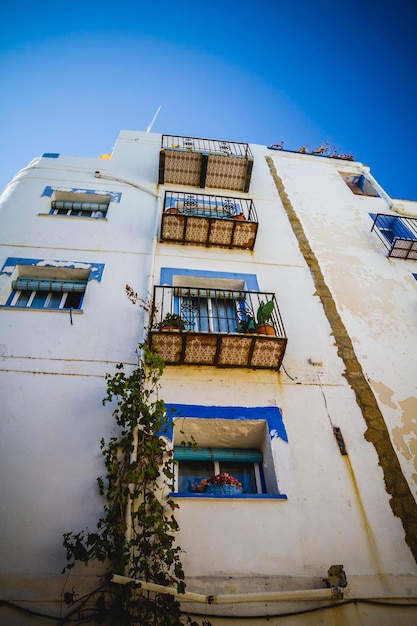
(402, 501)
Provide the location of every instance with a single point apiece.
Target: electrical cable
(269, 616)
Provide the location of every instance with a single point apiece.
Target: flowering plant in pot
(219, 483)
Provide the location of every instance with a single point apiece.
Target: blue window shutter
(33, 284)
(79, 206)
(182, 453)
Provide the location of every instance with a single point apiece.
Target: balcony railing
(398, 234)
(209, 220)
(220, 327)
(205, 163)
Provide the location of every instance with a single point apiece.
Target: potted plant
(262, 317)
(172, 322)
(172, 210)
(220, 484)
(246, 325)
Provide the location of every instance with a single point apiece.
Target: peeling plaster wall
(377, 304)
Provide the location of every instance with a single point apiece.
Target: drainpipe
(330, 593)
(99, 174)
(156, 195)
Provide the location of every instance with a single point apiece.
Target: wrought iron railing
(218, 207)
(398, 234)
(213, 146)
(207, 310)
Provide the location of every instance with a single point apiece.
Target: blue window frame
(194, 464)
(47, 284)
(392, 227)
(359, 184)
(244, 465)
(29, 292)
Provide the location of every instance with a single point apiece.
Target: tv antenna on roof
(148, 130)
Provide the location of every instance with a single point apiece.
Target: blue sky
(74, 74)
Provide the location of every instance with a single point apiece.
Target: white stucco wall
(52, 373)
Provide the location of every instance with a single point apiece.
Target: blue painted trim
(271, 414)
(51, 155)
(115, 196)
(168, 273)
(415, 276)
(96, 269)
(215, 496)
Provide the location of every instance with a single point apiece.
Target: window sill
(46, 310)
(244, 496)
(75, 217)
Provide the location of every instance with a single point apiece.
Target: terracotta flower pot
(265, 329)
(172, 211)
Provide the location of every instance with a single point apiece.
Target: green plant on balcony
(172, 321)
(263, 316)
(260, 324)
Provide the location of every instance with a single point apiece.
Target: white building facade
(318, 420)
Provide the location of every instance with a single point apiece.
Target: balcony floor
(218, 349)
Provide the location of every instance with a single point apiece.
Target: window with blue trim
(359, 184)
(209, 441)
(52, 285)
(76, 202)
(53, 293)
(195, 469)
(209, 301)
(79, 205)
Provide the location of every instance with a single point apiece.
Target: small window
(359, 184)
(219, 471)
(79, 205)
(240, 449)
(47, 291)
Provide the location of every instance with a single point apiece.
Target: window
(244, 465)
(76, 202)
(214, 305)
(359, 184)
(392, 227)
(398, 234)
(46, 283)
(47, 293)
(79, 205)
(209, 310)
(233, 440)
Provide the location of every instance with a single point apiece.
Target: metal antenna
(148, 130)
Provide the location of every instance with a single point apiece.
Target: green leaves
(135, 536)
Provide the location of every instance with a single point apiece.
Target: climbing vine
(136, 535)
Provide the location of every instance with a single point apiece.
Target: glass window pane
(192, 473)
(23, 298)
(55, 300)
(39, 300)
(244, 472)
(73, 300)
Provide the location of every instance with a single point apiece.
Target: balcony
(209, 220)
(217, 327)
(205, 163)
(398, 234)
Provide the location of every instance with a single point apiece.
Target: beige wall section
(371, 303)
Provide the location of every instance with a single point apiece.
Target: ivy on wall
(136, 535)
